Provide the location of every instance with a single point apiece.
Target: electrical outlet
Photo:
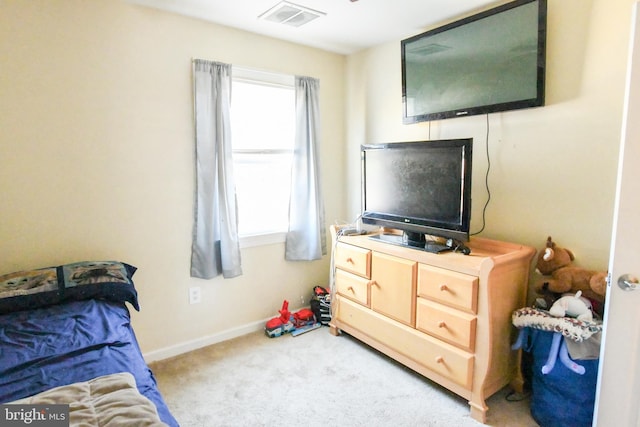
(301, 299)
(195, 296)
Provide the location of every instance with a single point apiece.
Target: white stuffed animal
(572, 305)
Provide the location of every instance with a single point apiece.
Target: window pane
(262, 133)
(262, 116)
(262, 184)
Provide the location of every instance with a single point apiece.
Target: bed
(66, 338)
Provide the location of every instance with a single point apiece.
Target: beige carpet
(314, 379)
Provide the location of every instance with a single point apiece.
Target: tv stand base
(426, 245)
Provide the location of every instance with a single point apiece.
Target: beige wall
(96, 148)
(553, 169)
(97, 155)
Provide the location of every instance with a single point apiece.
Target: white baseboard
(185, 347)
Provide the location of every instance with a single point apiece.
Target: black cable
(486, 182)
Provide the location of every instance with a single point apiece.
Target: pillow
(28, 289)
(109, 280)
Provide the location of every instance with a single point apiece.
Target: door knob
(628, 282)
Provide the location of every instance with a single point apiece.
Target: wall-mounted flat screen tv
(489, 62)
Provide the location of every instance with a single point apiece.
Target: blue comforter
(71, 342)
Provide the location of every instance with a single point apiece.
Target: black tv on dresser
(421, 188)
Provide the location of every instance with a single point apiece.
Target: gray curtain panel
(216, 247)
(306, 239)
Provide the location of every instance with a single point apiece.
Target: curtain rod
(242, 68)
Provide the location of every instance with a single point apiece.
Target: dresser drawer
(448, 287)
(444, 359)
(353, 287)
(353, 259)
(446, 323)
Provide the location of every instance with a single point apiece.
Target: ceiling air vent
(290, 14)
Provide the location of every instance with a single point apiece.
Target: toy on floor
(280, 325)
(303, 317)
(321, 304)
(304, 320)
(297, 323)
(307, 328)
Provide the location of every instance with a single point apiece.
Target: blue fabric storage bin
(560, 398)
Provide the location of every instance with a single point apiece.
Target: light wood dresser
(447, 316)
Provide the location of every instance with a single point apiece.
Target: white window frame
(269, 79)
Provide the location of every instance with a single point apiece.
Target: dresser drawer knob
(350, 288)
(443, 288)
(350, 260)
(439, 359)
(442, 324)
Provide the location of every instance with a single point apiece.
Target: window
(262, 133)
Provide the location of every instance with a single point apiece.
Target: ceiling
(345, 26)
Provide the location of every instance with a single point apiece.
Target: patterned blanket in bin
(569, 327)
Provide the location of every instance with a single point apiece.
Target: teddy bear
(561, 277)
